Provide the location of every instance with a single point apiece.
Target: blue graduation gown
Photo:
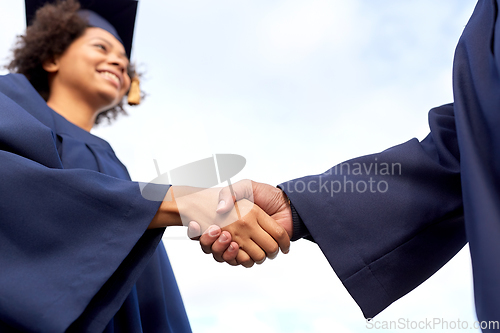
(388, 221)
(75, 252)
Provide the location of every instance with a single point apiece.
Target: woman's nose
(118, 63)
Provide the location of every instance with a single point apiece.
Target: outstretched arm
(386, 222)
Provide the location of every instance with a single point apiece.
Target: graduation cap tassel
(134, 94)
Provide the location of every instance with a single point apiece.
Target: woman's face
(93, 67)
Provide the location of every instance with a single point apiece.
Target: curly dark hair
(54, 28)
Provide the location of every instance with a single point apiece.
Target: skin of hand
(253, 231)
(260, 228)
(269, 198)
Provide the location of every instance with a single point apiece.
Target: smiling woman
(91, 73)
(58, 46)
(76, 252)
(80, 246)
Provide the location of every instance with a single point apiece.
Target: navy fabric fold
(73, 238)
(384, 243)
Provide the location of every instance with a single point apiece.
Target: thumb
(226, 201)
(194, 230)
(232, 193)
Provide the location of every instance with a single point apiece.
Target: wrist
(299, 228)
(168, 213)
(287, 221)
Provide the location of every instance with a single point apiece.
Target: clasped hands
(251, 221)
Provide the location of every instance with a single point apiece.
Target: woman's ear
(51, 65)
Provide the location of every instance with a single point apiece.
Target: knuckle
(280, 232)
(204, 240)
(273, 249)
(244, 260)
(260, 258)
(248, 265)
(241, 225)
(228, 257)
(218, 252)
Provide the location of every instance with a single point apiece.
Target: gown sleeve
(72, 241)
(386, 222)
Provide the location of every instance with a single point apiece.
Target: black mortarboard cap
(114, 16)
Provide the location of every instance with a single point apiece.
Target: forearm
(183, 204)
(388, 221)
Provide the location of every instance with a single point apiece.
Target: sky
(295, 87)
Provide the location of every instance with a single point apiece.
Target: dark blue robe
(75, 252)
(387, 228)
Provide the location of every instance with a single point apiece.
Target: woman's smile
(112, 77)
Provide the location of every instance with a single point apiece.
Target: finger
(221, 245)
(244, 259)
(194, 230)
(229, 194)
(255, 252)
(277, 232)
(209, 237)
(263, 242)
(230, 255)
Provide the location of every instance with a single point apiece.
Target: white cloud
(293, 30)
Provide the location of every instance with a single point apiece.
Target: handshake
(241, 224)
